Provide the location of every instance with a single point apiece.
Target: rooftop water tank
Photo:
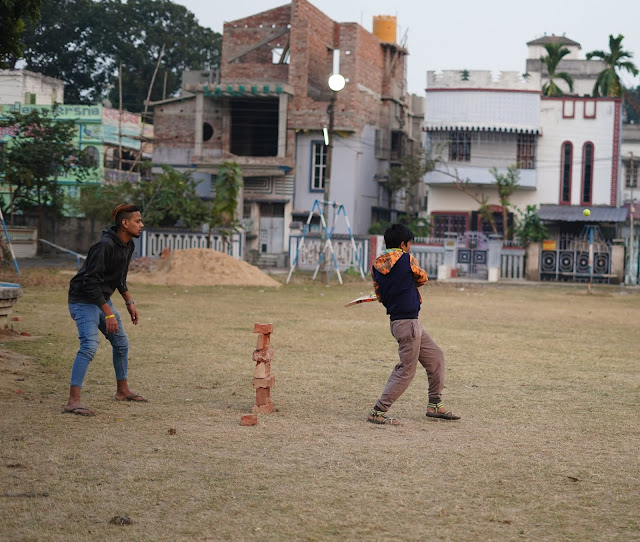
(384, 27)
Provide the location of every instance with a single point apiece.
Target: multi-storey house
(270, 109)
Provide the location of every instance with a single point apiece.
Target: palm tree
(555, 53)
(608, 82)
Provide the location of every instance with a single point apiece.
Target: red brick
(263, 328)
(263, 396)
(263, 370)
(264, 382)
(263, 355)
(17, 319)
(263, 409)
(249, 419)
(263, 341)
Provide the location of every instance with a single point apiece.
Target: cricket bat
(363, 299)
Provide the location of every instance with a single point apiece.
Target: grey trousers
(414, 345)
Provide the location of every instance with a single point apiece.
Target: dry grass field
(545, 377)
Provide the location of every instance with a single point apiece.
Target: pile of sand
(198, 267)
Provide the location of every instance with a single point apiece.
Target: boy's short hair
(123, 211)
(395, 234)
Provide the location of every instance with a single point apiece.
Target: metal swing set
(338, 210)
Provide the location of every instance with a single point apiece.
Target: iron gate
(567, 259)
(472, 249)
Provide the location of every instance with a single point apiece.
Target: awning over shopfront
(573, 213)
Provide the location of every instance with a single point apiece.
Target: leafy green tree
(97, 200)
(420, 227)
(507, 183)
(40, 152)
(166, 200)
(529, 227)
(555, 53)
(65, 44)
(83, 42)
(616, 59)
(13, 16)
(228, 185)
(409, 175)
(169, 199)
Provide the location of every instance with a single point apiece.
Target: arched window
(587, 174)
(565, 172)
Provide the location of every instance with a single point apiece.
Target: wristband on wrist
(129, 302)
(109, 316)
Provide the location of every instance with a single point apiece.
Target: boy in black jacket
(104, 271)
(396, 278)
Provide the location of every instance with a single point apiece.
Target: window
(565, 172)
(443, 223)
(590, 109)
(568, 109)
(254, 126)
(397, 140)
(631, 174)
(318, 164)
(526, 151)
(207, 131)
(93, 156)
(460, 147)
(280, 55)
(587, 173)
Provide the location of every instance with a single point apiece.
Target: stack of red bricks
(263, 380)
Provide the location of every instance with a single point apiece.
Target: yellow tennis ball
(586, 212)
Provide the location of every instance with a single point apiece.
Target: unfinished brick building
(267, 111)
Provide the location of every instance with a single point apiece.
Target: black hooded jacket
(104, 270)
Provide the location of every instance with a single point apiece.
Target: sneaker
(380, 417)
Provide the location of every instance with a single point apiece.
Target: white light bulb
(336, 82)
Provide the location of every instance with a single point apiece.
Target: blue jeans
(89, 318)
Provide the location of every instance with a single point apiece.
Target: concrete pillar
(494, 257)
(282, 125)
(617, 260)
(199, 121)
(450, 245)
(532, 266)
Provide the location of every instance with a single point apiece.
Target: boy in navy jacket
(396, 278)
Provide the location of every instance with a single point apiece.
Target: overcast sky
(466, 34)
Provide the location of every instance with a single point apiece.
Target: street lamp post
(632, 272)
(336, 84)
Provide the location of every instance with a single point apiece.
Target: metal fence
(430, 257)
(153, 242)
(430, 253)
(512, 263)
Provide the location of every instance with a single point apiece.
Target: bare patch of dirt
(13, 367)
(198, 267)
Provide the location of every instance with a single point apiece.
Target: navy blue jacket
(396, 278)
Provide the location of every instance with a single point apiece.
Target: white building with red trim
(567, 149)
